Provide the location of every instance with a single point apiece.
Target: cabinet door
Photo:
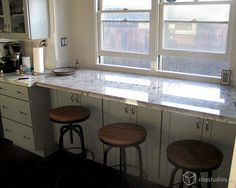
(65, 98)
(18, 18)
(62, 98)
(3, 18)
(177, 127)
(114, 112)
(16, 110)
(92, 125)
(151, 120)
(223, 137)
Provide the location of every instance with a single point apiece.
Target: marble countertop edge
(154, 106)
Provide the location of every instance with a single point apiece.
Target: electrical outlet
(64, 42)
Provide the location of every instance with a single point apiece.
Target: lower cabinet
(19, 133)
(90, 126)
(162, 129)
(222, 135)
(25, 119)
(148, 118)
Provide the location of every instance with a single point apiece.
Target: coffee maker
(16, 55)
(6, 63)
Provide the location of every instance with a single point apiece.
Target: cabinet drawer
(15, 91)
(9, 129)
(20, 134)
(16, 110)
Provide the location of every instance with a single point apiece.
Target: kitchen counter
(204, 100)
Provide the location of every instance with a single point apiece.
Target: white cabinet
(90, 126)
(177, 127)
(223, 136)
(148, 118)
(25, 117)
(24, 19)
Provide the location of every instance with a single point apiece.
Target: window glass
(201, 37)
(125, 16)
(193, 66)
(127, 62)
(126, 4)
(218, 13)
(125, 36)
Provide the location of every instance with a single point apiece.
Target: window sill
(159, 73)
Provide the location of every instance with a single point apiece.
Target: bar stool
(193, 157)
(123, 135)
(70, 116)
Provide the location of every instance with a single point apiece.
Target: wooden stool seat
(194, 155)
(70, 117)
(69, 114)
(122, 134)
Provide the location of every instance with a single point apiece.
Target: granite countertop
(204, 100)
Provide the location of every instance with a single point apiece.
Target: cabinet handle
(3, 88)
(9, 130)
(126, 109)
(72, 97)
(207, 125)
(133, 110)
(23, 113)
(19, 92)
(8, 29)
(5, 107)
(5, 28)
(77, 98)
(26, 137)
(198, 123)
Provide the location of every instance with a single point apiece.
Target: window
(124, 33)
(191, 35)
(194, 36)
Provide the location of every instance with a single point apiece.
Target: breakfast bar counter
(204, 100)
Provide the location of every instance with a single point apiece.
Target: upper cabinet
(24, 19)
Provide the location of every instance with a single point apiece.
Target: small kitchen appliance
(17, 55)
(6, 63)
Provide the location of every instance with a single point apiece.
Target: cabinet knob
(3, 88)
(198, 123)
(126, 108)
(72, 97)
(23, 113)
(26, 137)
(5, 107)
(207, 125)
(77, 98)
(20, 92)
(9, 130)
(133, 110)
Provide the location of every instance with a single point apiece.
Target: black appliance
(10, 56)
(6, 63)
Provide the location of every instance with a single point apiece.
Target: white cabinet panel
(92, 125)
(177, 127)
(16, 110)
(25, 119)
(223, 136)
(21, 135)
(14, 91)
(148, 118)
(24, 19)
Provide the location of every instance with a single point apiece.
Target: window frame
(155, 44)
(120, 54)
